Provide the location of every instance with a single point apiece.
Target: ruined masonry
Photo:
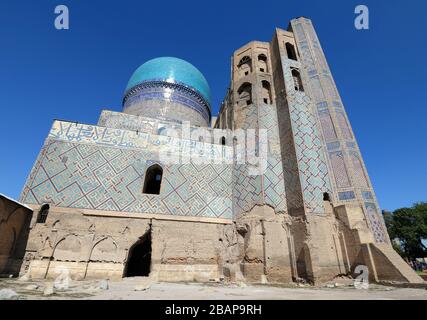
(103, 202)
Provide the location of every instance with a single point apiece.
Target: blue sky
(73, 75)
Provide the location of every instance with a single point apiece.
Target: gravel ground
(142, 288)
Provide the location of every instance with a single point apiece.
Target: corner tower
(169, 89)
(312, 213)
(350, 180)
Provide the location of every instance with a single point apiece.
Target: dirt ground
(143, 289)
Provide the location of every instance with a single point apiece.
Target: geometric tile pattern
(312, 168)
(359, 176)
(159, 90)
(268, 188)
(119, 138)
(120, 120)
(345, 161)
(347, 195)
(342, 122)
(274, 185)
(103, 167)
(327, 125)
(367, 195)
(375, 223)
(247, 189)
(84, 175)
(294, 197)
(340, 172)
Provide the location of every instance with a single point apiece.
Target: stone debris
(49, 290)
(24, 278)
(141, 287)
(103, 285)
(63, 281)
(264, 279)
(144, 285)
(8, 294)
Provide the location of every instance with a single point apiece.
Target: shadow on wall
(15, 220)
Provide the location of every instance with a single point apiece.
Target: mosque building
(166, 190)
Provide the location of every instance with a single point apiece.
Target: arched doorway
(139, 258)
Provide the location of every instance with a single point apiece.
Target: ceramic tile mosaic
(94, 168)
(312, 168)
(344, 158)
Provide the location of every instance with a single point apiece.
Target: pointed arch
(262, 63)
(266, 92)
(245, 93)
(297, 80)
(153, 179)
(43, 213)
(290, 51)
(244, 66)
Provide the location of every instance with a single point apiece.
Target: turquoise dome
(173, 70)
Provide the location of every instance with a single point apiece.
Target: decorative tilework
(375, 222)
(347, 195)
(294, 197)
(173, 92)
(322, 88)
(327, 125)
(273, 179)
(101, 136)
(318, 92)
(343, 124)
(351, 145)
(322, 105)
(340, 171)
(171, 70)
(359, 172)
(333, 145)
(140, 124)
(79, 169)
(248, 189)
(312, 168)
(119, 120)
(337, 104)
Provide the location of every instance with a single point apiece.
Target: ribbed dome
(172, 70)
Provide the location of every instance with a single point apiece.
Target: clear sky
(47, 74)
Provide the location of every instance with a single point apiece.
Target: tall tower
(254, 108)
(350, 180)
(264, 95)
